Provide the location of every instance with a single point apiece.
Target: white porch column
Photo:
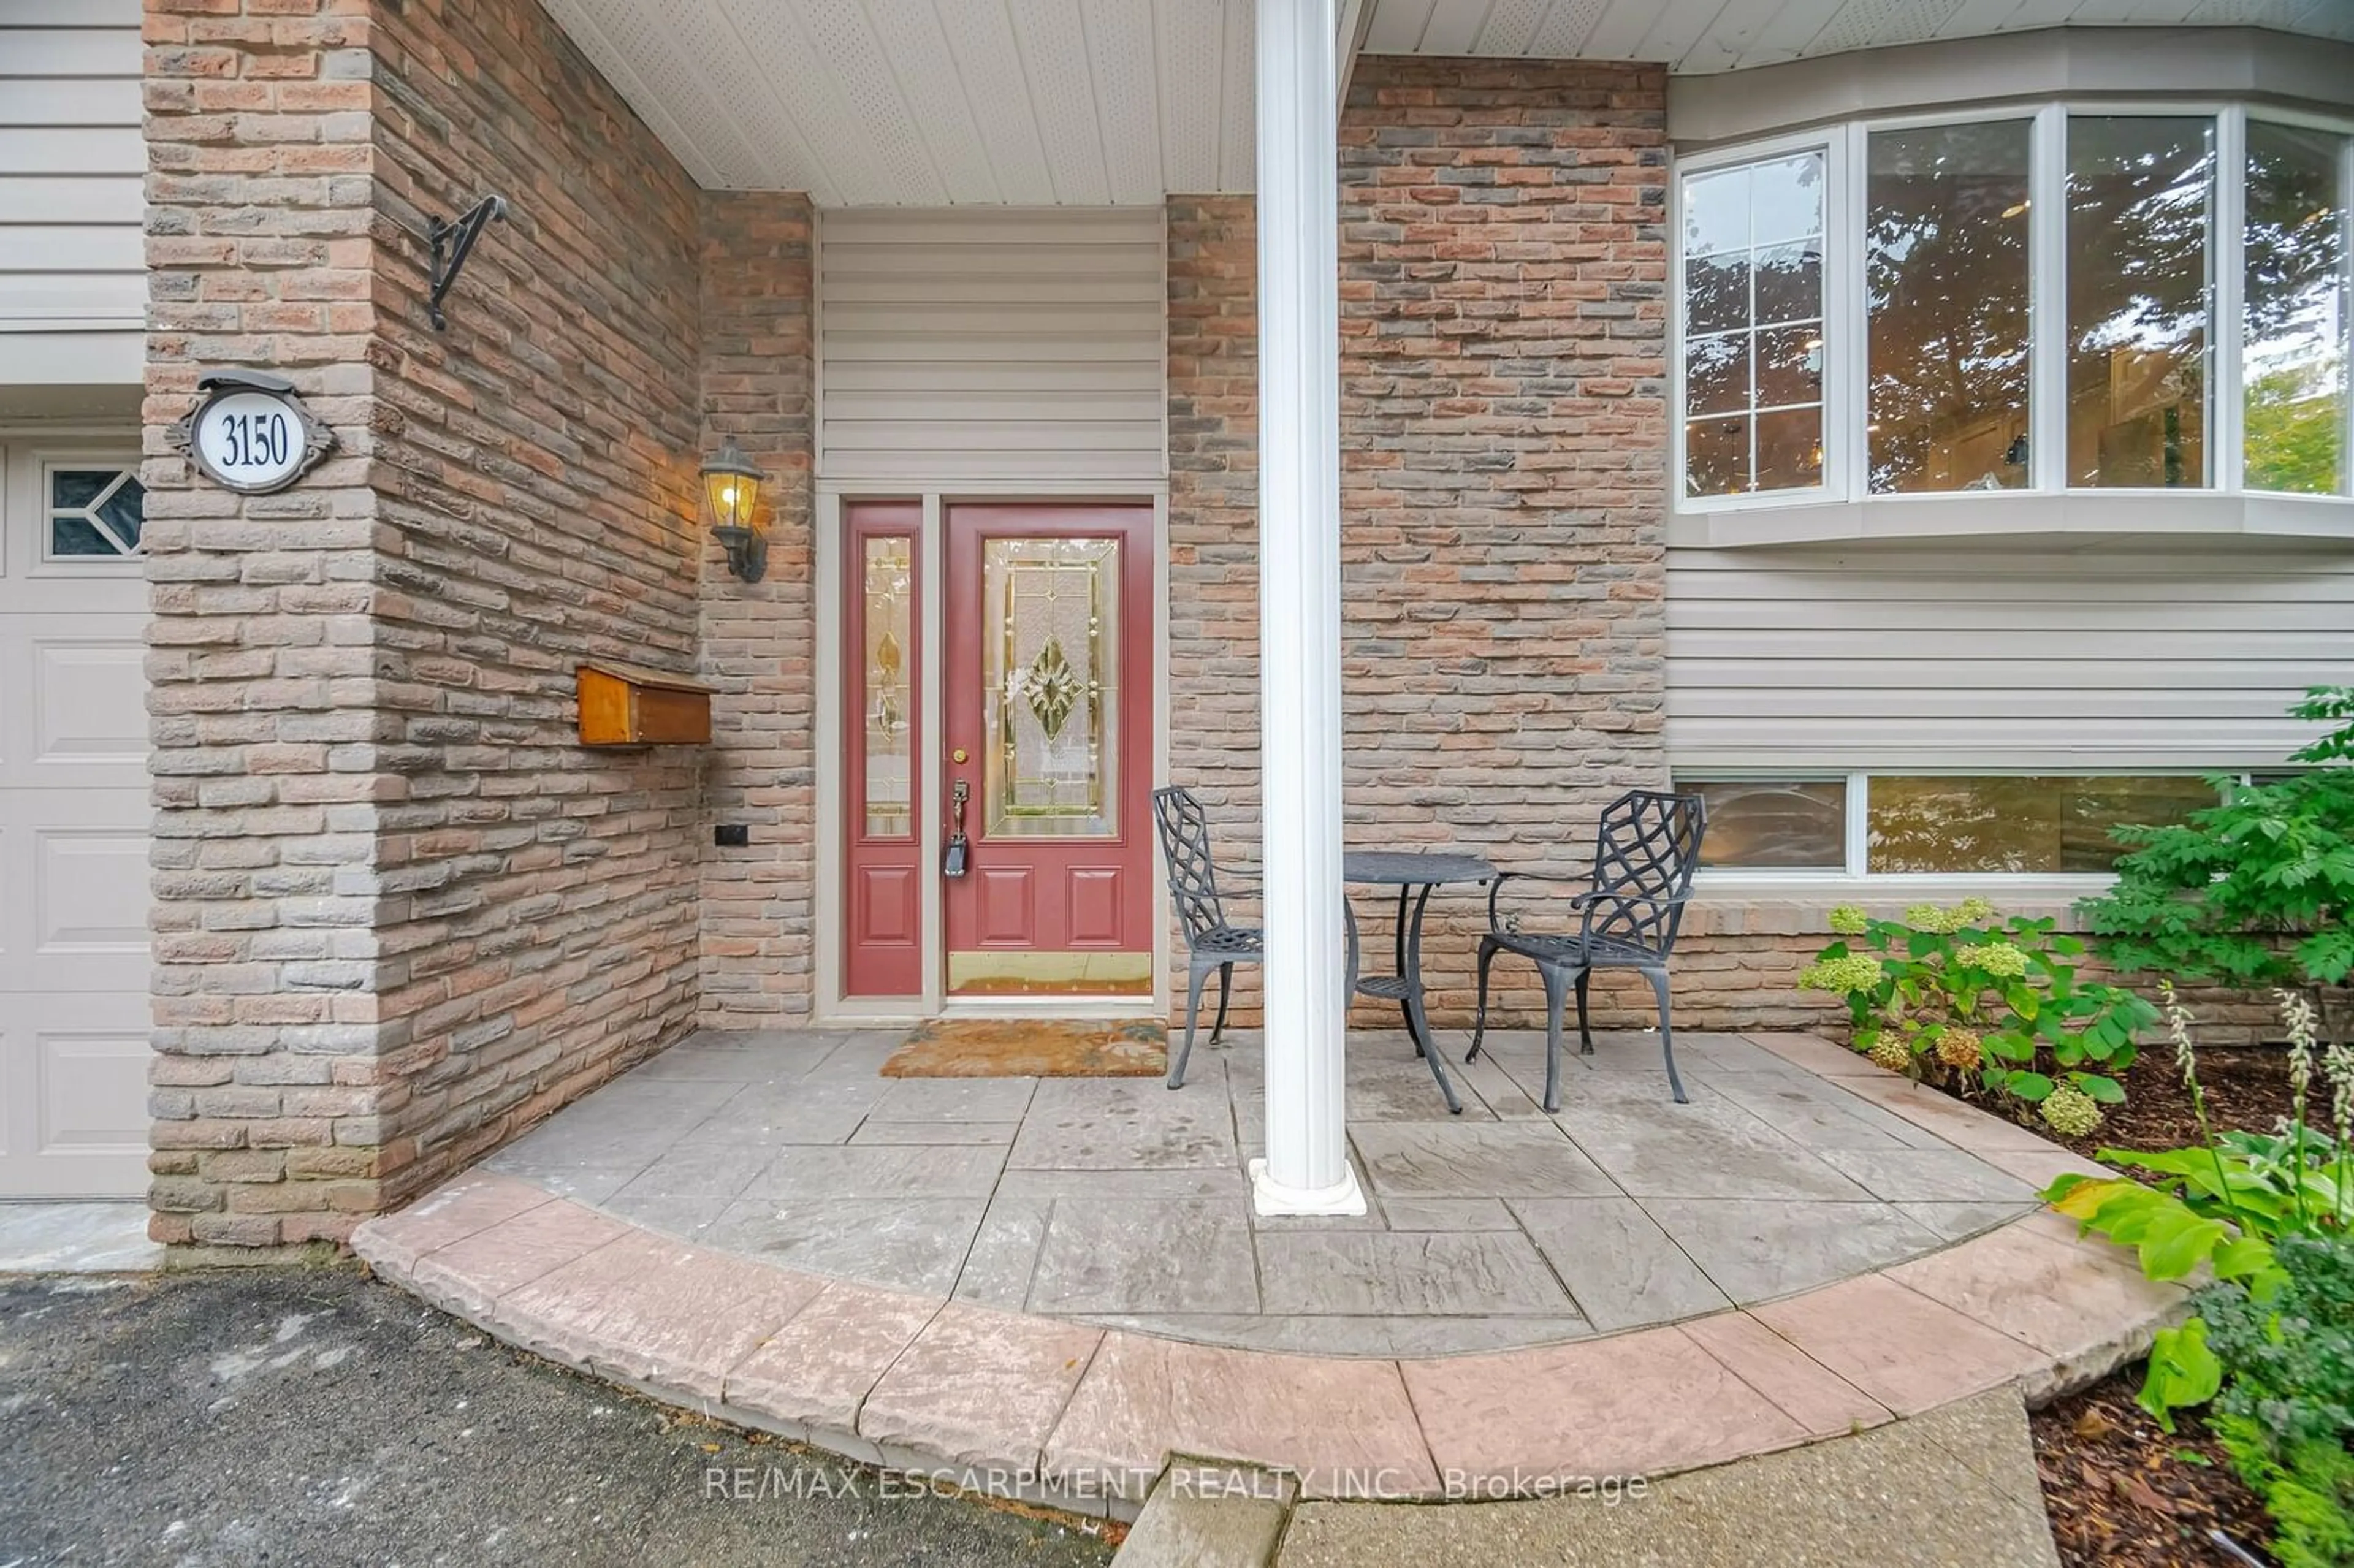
(1306, 1171)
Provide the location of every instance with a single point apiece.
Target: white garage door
(73, 823)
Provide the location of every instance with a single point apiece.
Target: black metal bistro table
(1416, 876)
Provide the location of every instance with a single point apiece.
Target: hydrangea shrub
(1984, 1005)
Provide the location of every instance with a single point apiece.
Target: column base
(1272, 1197)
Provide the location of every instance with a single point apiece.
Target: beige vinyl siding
(71, 163)
(997, 344)
(2003, 659)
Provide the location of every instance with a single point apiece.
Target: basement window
(1982, 825)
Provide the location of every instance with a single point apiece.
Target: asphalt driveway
(271, 1416)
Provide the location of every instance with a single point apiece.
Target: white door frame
(829, 1005)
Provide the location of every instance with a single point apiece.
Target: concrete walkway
(1954, 1489)
(1070, 1410)
(109, 1237)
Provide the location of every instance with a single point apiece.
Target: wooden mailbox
(624, 705)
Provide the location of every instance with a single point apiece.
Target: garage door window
(95, 513)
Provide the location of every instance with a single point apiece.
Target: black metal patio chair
(1645, 851)
(1211, 941)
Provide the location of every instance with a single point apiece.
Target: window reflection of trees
(2295, 310)
(1946, 280)
(2138, 196)
(1780, 824)
(1753, 327)
(2017, 824)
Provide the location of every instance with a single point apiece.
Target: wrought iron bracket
(453, 243)
(748, 552)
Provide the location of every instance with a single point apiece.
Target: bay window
(2062, 298)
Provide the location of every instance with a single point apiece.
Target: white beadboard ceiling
(932, 102)
(1697, 36)
(1115, 102)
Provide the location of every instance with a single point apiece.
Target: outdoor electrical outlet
(731, 835)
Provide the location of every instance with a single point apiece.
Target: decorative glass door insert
(884, 779)
(888, 706)
(1051, 687)
(1047, 726)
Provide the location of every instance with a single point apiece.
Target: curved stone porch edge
(1061, 1411)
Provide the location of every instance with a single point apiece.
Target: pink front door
(1047, 727)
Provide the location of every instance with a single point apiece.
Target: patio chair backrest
(1646, 849)
(1185, 849)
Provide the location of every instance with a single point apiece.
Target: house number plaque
(251, 433)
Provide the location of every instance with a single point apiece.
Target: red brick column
(262, 688)
(1213, 524)
(760, 640)
(400, 911)
(1503, 264)
(1503, 419)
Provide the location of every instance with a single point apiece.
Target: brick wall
(1503, 273)
(1212, 509)
(400, 913)
(260, 211)
(760, 640)
(537, 501)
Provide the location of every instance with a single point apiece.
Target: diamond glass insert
(1054, 689)
(1050, 673)
(95, 515)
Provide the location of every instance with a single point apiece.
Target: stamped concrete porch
(1052, 1286)
(1117, 1202)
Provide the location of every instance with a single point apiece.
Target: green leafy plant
(2271, 1341)
(2227, 1203)
(2262, 1186)
(1959, 997)
(2285, 1411)
(2255, 891)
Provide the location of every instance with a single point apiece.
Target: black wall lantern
(731, 488)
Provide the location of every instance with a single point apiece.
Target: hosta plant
(2229, 1202)
(1985, 1005)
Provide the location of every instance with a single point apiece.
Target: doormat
(1031, 1048)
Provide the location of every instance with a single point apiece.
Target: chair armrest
(1496, 888)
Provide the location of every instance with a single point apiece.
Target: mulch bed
(2122, 1493)
(2247, 1089)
